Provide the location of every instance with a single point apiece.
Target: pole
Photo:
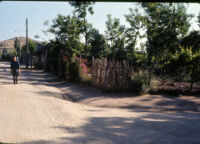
(27, 51)
(19, 51)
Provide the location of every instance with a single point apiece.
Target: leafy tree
(23, 50)
(111, 29)
(189, 60)
(166, 23)
(80, 11)
(98, 44)
(115, 35)
(199, 19)
(81, 8)
(5, 51)
(31, 46)
(54, 54)
(65, 47)
(17, 46)
(192, 40)
(14, 53)
(119, 45)
(44, 42)
(67, 32)
(136, 24)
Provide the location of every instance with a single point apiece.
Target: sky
(13, 16)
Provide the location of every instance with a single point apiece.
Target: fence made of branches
(111, 74)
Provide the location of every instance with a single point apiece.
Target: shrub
(140, 82)
(6, 56)
(83, 68)
(74, 72)
(153, 83)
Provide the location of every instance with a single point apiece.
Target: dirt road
(34, 112)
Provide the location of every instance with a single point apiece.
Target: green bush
(153, 83)
(140, 82)
(73, 72)
(6, 56)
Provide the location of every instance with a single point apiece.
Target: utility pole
(19, 51)
(27, 50)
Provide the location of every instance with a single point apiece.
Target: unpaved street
(34, 112)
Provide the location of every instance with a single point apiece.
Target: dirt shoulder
(82, 94)
(86, 95)
(154, 103)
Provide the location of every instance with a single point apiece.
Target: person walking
(15, 69)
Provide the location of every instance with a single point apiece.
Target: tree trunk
(192, 80)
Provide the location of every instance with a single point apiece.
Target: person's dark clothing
(15, 70)
(14, 65)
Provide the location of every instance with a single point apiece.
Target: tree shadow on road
(74, 91)
(182, 128)
(173, 105)
(40, 77)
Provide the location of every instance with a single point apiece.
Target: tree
(15, 53)
(67, 32)
(31, 46)
(80, 11)
(199, 19)
(192, 40)
(166, 23)
(54, 54)
(17, 46)
(186, 60)
(136, 24)
(6, 55)
(5, 51)
(98, 44)
(115, 34)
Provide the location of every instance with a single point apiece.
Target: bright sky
(14, 14)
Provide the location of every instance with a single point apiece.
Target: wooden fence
(111, 74)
